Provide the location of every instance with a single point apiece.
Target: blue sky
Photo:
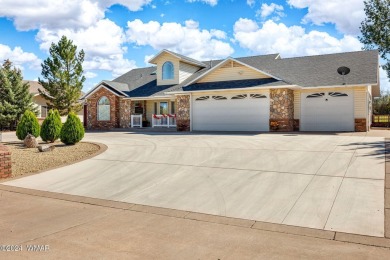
(119, 35)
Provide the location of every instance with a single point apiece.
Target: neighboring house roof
(309, 71)
(34, 86)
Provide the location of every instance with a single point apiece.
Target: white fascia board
(100, 85)
(234, 89)
(150, 98)
(200, 64)
(223, 62)
(340, 86)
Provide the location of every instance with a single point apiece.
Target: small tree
(28, 125)
(73, 130)
(376, 29)
(15, 97)
(63, 74)
(51, 126)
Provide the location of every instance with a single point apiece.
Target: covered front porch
(153, 113)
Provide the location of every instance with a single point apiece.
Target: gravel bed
(30, 160)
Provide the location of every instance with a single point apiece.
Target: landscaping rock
(46, 148)
(30, 141)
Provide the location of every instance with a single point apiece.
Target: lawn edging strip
(182, 214)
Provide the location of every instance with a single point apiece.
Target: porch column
(124, 112)
(281, 110)
(183, 112)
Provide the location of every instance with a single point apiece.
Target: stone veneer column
(183, 112)
(360, 125)
(124, 113)
(5, 162)
(281, 110)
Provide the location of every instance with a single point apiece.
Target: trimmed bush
(51, 127)
(73, 130)
(27, 125)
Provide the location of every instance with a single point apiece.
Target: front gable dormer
(173, 68)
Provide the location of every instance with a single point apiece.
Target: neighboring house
(41, 103)
(256, 93)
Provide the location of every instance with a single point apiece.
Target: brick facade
(5, 162)
(360, 125)
(183, 113)
(281, 110)
(119, 111)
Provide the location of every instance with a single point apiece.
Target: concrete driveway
(331, 182)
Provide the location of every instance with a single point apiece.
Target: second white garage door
(235, 112)
(327, 111)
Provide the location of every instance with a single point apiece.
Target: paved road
(73, 230)
(331, 182)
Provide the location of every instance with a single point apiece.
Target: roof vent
(343, 71)
(211, 63)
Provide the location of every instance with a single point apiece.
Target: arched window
(167, 70)
(104, 109)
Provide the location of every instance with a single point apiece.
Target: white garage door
(327, 111)
(236, 112)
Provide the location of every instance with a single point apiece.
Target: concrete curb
(243, 223)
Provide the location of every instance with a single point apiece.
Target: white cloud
(251, 3)
(347, 16)
(290, 41)
(90, 75)
(50, 14)
(147, 59)
(19, 57)
(188, 40)
(266, 10)
(102, 43)
(384, 80)
(209, 2)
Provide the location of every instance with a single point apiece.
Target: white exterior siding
(297, 104)
(186, 70)
(232, 73)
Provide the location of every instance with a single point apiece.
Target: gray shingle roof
(309, 71)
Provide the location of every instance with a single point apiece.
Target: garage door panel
(327, 112)
(248, 114)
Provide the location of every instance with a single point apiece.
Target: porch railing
(136, 121)
(164, 120)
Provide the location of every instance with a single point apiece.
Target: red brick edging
(5, 162)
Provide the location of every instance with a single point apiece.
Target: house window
(138, 109)
(163, 108)
(258, 96)
(168, 70)
(202, 98)
(104, 109)
(337, 94)
(155, 108)
(315, 95)
(173, 107)
(219, 97)
(241, 96)
(43, 111)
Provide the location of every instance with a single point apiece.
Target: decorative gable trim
(222, 63)
(103, 85)
(181, 58)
